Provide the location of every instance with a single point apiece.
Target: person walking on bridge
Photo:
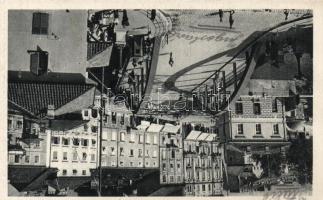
(221, 14)
(171, 60)
(231, 18)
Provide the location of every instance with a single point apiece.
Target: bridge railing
(215, 86)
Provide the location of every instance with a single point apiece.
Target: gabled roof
(155, 128)
(33, 93)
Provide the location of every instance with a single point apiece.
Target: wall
(75, 164)
(66, 54)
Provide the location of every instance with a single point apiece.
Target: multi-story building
(171, 155)
(256, 121)
(203, 164)
(27, 141)
(74, 144)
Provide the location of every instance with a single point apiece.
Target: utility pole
(102, 107)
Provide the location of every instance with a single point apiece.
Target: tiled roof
(34, 94)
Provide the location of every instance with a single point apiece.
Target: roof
(33, 94)
(193, 135)
(73, 182)
(155, 128)
(169, 128)
(202, 136)
(102, 59)
(61, 125)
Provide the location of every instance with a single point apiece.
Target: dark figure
(125, 20)
(153, 14)
(231, 18)
(286, 14)
(116, 14)
(221, 14)
(171, 61)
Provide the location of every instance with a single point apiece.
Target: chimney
(51, 111)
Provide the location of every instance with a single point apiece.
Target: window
(148, 139)
(274, 105)
(94, 129)
(64, 173)
(256, 109)
(122, 136)
(141, 138)
(171, 179)
(16, 158)
(40, 23)
(203, 187)
(121, 164)
(171, 166)
(121, 151)
(147, 164)
(139, 152)
(113, 163)
(92, 157)
(38, 62)
(9, 123)
(85, 126)
(74, 156)
(131, 164)
(27, 159)
(155, 139)
(55, 155)
(178, 179)
(84, 156)
(163, 154)
(84, 142)
(65, 156)
(140, 164)
(154, 154)
(178, 167)
(114, 118)
(76, 141)
(113, 151)
(173, 153)
(164, 166)
(154, 164)
(55, 140)
(131, 152)
(83, 172)
(164, 178)
(132, 137)
(239, 108)
(19, 124)
(65, 141)
(86, 113)
(122, 119)
(276, 129)
(93, 143)
(114, 135)
(258, 129)
(147, 153)
(74, 172)
(240, 129)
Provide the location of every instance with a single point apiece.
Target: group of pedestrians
(231, 20)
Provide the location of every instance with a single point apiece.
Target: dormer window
(38, 61)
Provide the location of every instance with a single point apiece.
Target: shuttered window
(40, 23)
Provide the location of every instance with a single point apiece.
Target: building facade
(171, 155)
(36, 39)
(203, 164)
(74, 144)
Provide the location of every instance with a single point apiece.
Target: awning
(102, 59)
(300, 126)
